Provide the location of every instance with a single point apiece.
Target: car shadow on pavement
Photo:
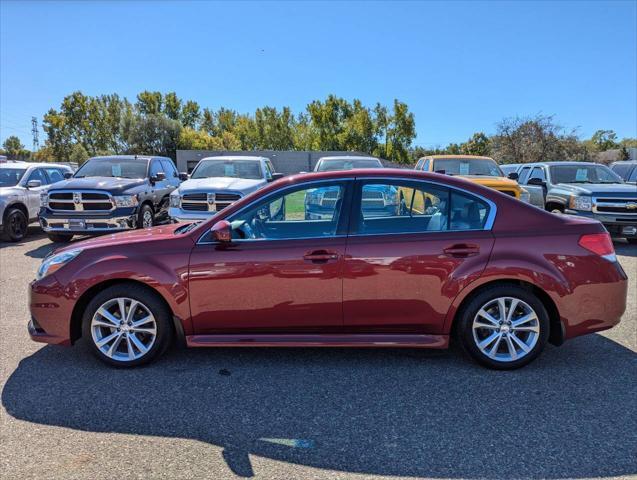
(34, 232)
(570, 414)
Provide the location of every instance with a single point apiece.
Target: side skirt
(318, 340)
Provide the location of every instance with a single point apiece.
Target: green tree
(274, 130)
(604, 140)
(149, 103)
(190, 114)
(172, 106)
(478, 144)
(623, 153)
(12, 146)
(154, 135)
(78, 154)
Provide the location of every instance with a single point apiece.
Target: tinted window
(583, 174)
(55, 174)
(538, 172)
(467, 212)
(327, 165)
(113, 167)
(524, 173)
(301, 213)
(156, 167)
(9, 177)
(38, 174)
(169, 168)
(250, 169)
(468, 166)
(401, 207)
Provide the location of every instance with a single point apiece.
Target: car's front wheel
(146, 217)
(504, 327)
(127, 325)
(60, 237)
(15, 225)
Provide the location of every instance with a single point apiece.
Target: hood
(609, 189)
(154, 234)
(214, 184)
(110, 184)
(6, 192)
(496, 183)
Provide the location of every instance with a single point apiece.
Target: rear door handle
(320, 256)
(462, 250)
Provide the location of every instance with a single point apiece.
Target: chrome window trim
(488, 225)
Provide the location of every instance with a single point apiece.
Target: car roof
(127, 157)
(234, 157)
(349, 157)
(625, 162)
(564, 163)
(466, 157)
(26, 165)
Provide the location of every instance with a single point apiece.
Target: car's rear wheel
(127, 325)
(15, 225)
(504, 327)
(60, 237)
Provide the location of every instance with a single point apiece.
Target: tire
(145, 217)
(60, 237)
(632, 241)
(15, 225)
(152, 335)
(479, 342)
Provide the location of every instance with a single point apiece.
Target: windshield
(348, 164)
(468, 166)
(113, 167)
(9, 177)
(583, 174)
(250, 169)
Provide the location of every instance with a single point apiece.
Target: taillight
(600, 244)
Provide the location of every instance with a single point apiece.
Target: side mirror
(514, 175)
(222, 231)
(34, 183)
(276, 176)
(183, 176)
(158, 177)
(536, 181)
(68, 175)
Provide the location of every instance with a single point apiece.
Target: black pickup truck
(109, 194)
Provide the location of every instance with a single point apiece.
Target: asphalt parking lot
(312, 413)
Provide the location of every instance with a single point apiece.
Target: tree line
(155, 123)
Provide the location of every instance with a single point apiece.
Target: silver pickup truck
(217, 182)
(21, 184)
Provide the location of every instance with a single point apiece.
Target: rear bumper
(617, 225)
(51, 312)
(118, 220)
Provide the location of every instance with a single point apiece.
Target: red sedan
(395, 259)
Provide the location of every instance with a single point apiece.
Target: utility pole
(34, 131)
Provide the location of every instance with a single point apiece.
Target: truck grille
(615, 205)
(79, 201)
(207, 202)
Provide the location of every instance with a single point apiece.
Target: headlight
(581, 202)
(55, 262)
(125, 200)
(44, 199)
(174, 201)
(525, 196)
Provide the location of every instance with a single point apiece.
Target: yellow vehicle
(482, 170)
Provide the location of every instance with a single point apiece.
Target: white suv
(217, 182)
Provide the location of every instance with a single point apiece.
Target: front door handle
(462, 250)
(320, 256)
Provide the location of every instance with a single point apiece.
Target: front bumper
(179, 215)
(118, 220)
(51, 312)
(617, 225)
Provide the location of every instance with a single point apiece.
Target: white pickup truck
(217, 182)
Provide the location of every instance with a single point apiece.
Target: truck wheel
(145, 217)
(15, 225)
(59, 237)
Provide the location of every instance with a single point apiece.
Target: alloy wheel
(18, 225)
(123, 329)
(147, 219)
(506, 329)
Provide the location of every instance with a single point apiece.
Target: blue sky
(461, 67)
